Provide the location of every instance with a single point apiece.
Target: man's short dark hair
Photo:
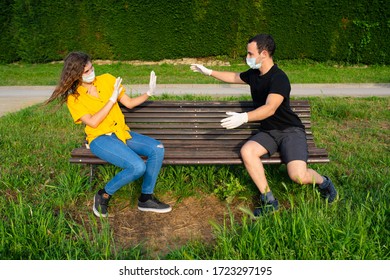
(264, 42)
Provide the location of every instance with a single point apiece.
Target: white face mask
(89, 78)
(252, 63)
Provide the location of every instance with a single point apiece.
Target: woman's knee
(160, 150)
(156, 152)
(137, 167)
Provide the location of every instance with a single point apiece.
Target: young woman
(93, 101)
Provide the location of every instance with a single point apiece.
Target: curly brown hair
(71, 76)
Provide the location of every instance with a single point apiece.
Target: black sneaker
(266, 207)
(100, 203)
(327, 190)
(154, 205)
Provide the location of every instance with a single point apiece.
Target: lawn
(299, 71)
(46, 202)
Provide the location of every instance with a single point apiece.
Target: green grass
(299, 71)
(43, 198)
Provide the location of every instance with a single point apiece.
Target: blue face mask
(252, 63)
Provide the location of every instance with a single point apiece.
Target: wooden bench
(192, 134)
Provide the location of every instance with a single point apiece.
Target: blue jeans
(127, 157)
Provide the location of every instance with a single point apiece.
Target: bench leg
(91, 174)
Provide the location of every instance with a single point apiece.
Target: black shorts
(290, 143)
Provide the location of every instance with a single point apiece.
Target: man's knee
(297, 177)
(302, 177)
(252, 149)
(297, 171)
(245, 151)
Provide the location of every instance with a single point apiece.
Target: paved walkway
(18, 97)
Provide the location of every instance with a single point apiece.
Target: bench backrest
(192, 134)
(191, 129)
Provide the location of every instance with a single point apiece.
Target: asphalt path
(15, 98)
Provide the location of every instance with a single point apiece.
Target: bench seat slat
(174, 118)
(228, 161)
(194, 148)
(157, 115)
(195, 133)
(197, 153)
(204, 143)
(181, 125)
(210, 104)
(82, 155)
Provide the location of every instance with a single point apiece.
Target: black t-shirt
(274, 81)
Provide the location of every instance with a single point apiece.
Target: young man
(281, 129)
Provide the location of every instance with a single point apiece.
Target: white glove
(235, 120)
(117, 89)
(152, 84)
(201, 69)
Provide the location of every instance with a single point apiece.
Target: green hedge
(46, 30)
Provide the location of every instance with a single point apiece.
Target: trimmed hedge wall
(355, 31)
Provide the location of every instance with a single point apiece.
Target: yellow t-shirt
(86, 104)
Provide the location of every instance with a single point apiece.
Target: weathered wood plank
(191, 132)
